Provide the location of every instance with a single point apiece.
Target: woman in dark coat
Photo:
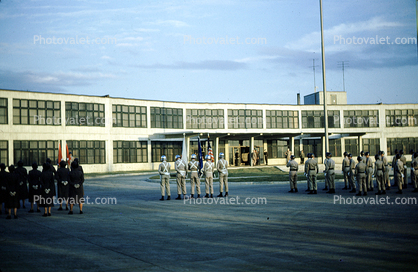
(34, 187)
(3, 183)
(22, 176)
(48, 185)
(63, 184)
(76, 187)
(12, 187)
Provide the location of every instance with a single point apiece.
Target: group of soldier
(364, 171)
(39, 188)
(195, 169)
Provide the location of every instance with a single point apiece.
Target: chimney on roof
(298, 98)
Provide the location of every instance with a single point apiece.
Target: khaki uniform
(405, 172)
(222, 166)
(330, 171)
(208, 171)
(346, 171)
(386, 180)
(412, 170)
(352, 174)
(395, 177)
(369, 172)
(360, 172)
(379, 172)
(293, 174)
(181, 170)
(307, 173)
(164, 171)
(398, 172)
(288, 154)
(415, 167)
(194, 176)
(313, 171)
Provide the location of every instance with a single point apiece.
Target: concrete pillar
(360, 144)
(265, 147)
(216, 155)
(292, 145)
(300, 146)
(188, 147)
(251, 150)
(149, 149)
(227, 151)
(109, 154)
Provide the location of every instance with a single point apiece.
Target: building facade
(116, 134)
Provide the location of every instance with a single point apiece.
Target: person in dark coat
(47, 192)
(63, 184)
(3, 183)
(54, 172)
(12, 187)
(34, 187)
(76, 187)
(22, 176)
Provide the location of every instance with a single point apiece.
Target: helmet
(292, 157)
(163, 158)
(221, 155)
(193, 156)
(178, 157)
(329, 154)
(207, 157)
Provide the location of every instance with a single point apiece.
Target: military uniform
(313, 171)
(194, 176)
(307, 172)
(379, 173)
(352, 173)
(415, 168)
(293, 175)
(346, 172)
(326, 176)
(398, 172)
(164, 171)
(412, 170)
(386, 180)
(395, 177)
(405, 172)
(208, 171)
(222, 166)
(369, 173)
(181, 170)
(360, 172)
(330, 174)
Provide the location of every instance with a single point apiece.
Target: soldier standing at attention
(208, 171)
(288, 154)
(266, 157)
(398, 171)
(325, 174)
(181, 170)
(313, 171)
(63, 185)
(293, 174)
(254, 157)
(22, 176)
(164, 171)
(405, 172)
(363, 158)
(223, 174)
(346, 171)
(412, 168)
(360, 171)
(302, 156)
(194, 176)
(34, 187)
(414, 165)
(369, 172)
(306, 172)
(386, 180)
(352, 173)
(379, 173)
(330, 173)
(395, 178)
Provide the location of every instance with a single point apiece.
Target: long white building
(119, 134)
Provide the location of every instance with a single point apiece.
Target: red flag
(59, 153)
(68, 155)
(210, 153)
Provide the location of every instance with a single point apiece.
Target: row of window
(47, 112)
(93, 152)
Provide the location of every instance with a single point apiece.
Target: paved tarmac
(292, 232)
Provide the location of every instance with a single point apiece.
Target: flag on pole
(200, 156)
(210, 153)
(68, 156)
(59, 153)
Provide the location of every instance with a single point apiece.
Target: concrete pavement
(292, 232)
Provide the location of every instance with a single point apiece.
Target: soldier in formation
(181, 170)
(293, 174)
(222, 167)
(164, 171)
(330, 173)
(194, 168)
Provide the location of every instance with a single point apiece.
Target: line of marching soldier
(364, 171)
(194, 168)
(39, 187)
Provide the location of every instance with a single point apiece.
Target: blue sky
(152, 58)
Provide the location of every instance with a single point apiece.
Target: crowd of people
(196, 170)
(17, 186)
(365, 170)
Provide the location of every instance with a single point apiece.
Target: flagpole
(323, 78)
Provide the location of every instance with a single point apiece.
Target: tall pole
(323, 77)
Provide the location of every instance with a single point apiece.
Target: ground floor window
(130, 151)
(35, 151)
(335, 147)
(277, 148)
(405, 144)
(372, 146)
(351, 146)
(4, 152)
(88, 152)
(169, 149)
(312, 146)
